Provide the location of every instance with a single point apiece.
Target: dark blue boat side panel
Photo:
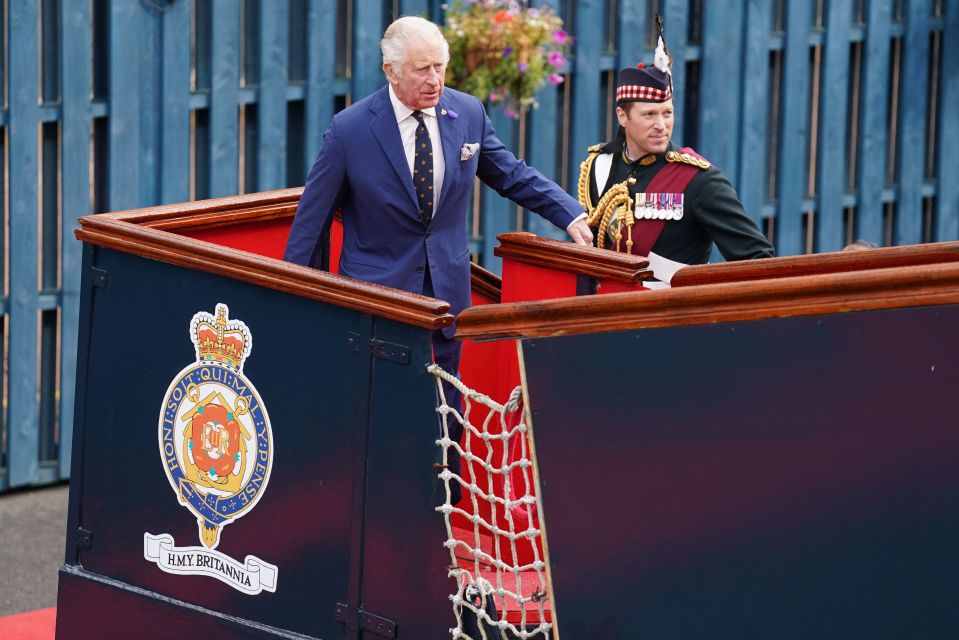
(302, 369)
(405, 563)
(786, 478)
(347, 514)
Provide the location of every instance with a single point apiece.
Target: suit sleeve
(325, 190)
(721, 214)
(514, 179)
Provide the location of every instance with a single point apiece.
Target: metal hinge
(84, 538)
(98, 277)
(380, 348)
(390, 351)
(366, 621)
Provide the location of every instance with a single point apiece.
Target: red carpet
(32, 625)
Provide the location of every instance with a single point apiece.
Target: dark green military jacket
(712, 211)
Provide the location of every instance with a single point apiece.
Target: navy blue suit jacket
(362, 169)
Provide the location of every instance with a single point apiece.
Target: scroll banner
(252, 578)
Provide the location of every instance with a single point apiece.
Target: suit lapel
(452, 138)
(384, 127)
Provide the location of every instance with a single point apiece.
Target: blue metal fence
(835, 120)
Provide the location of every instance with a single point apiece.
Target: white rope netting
(492, 532)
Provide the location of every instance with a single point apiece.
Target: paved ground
(32, 531)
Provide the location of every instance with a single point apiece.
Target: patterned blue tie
(423, 169)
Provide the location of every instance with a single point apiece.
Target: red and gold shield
(215, 440)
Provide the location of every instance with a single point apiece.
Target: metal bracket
(367, 621)
(390, 351)
(98, 277)
(353, 342)
(84, 538)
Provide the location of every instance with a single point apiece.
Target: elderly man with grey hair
(400, 165)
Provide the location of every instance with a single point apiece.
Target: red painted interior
(336, 244)
(523, 282)
(265, 238)
(604, 285)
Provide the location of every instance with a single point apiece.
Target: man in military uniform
(644, 195)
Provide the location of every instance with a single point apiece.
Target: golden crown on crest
(219, 340)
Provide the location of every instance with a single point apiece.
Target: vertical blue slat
(499, 214)
(128, 57)
(633, 27)
(23, 414)
(913, 113)
(151, 102)
(75, 202)
(947, 161)
(274, 48)
(586, 118)
(794, 136)
(873, 124)
(368, 28)
(753, 165)
(175, 141)
(415, 8)
(721, 86)
(831, 168)
(676, 29)
(321, 41)
(542, 146)
(224, 105)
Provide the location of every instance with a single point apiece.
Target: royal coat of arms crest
(216, 445)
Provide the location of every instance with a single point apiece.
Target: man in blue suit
(400, 165)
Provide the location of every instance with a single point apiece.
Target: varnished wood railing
(911, 286)
(156, 233)
(565, 256)
(818, 263)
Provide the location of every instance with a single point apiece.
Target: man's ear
(621, 116)
(390, 75)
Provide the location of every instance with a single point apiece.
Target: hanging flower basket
(504, 51)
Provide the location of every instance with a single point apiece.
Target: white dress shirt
(407, 124)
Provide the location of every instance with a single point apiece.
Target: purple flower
(555, 58)
(522, 67)
(452, 115)
(560, 37)
(556, 79)
(507, 51)
(510, 113)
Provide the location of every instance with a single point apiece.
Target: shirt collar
(403, 112)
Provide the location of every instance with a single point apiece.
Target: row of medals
(659, 206)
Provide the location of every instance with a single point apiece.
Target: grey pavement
(33, 527)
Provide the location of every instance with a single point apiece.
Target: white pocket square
(468, 150)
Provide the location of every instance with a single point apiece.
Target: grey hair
(401, 32)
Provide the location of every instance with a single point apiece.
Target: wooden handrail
(486, 283)
(216, 212)
(932, 284)
(531, 249)
(818, 263)
(146, 233)
(256, 207)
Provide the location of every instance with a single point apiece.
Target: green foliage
(504, 51)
